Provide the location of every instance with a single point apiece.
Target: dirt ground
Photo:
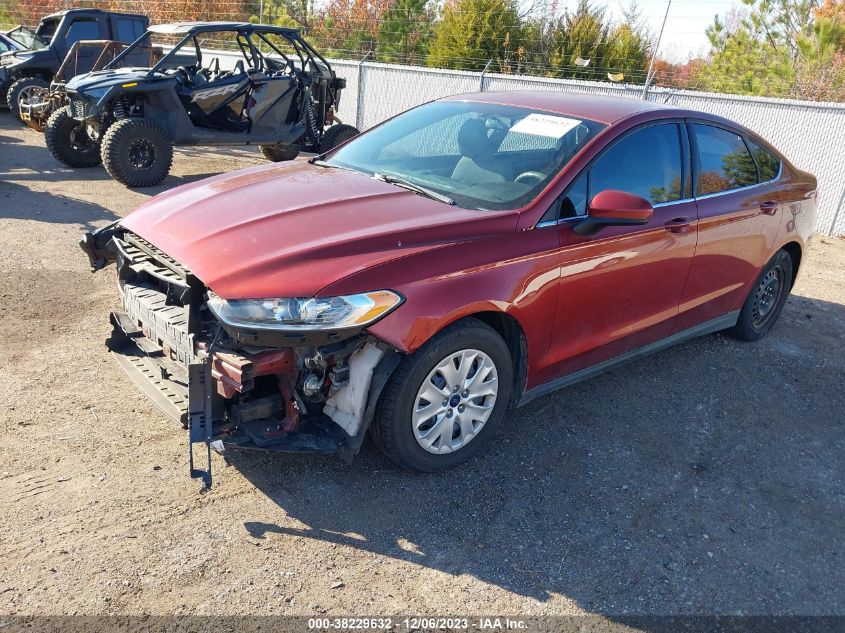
(706, 479)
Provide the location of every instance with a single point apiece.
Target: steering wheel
(183, 76)
(526, 177)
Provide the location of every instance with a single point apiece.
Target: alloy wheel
(142, 153)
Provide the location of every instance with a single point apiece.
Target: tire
(137, 153)
(397, 426)
(766, 299)
(337, 134)
(68, 141)
(17, 87)
(277, 153)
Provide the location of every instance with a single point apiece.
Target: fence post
(836, 214)
(649, 73)
(359, 105)
(484, 72)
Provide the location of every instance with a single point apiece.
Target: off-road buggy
(38, 103)
(280, 94)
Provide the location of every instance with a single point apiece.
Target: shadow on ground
(706, 479)
(29, 161)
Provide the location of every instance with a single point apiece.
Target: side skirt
(709, 327)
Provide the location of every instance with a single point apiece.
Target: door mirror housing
(614, 208)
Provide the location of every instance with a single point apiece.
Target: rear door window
(724, 160)
(769, 165)
(128, 30)
(646, 163)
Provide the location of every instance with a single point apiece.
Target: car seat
(475, 147)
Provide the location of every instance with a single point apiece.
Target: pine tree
(404, 34)
(472, 32)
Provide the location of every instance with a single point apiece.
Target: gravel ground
(706, 479)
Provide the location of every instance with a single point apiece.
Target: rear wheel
(20, 90)
(765, 302)
(68, 141)
(337, 134)
(278, 153)
(444, 402)
(137, 153)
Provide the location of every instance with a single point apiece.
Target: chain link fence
(809, 133)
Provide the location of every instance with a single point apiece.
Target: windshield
(481, 155)
(27, 38)
(45, 32)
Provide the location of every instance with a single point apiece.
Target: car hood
(23, 56)
(293, 229)
(111, 77)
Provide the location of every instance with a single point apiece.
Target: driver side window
(646, 163)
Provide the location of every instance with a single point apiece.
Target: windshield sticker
(545, 125)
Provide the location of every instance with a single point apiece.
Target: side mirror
(614, 208)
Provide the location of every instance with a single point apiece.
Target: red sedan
(460, 259)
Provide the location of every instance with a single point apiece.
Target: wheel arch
(795, 252)
(26, 73)
(509, 328)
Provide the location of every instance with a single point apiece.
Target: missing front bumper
(191, 396)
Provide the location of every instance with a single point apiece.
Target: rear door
(620, 288)
(126, 29)
(738, 205)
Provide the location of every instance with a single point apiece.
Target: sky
(684, 34)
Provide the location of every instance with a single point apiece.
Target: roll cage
(301, 56)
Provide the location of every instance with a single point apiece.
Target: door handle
(769, 207)
(678, 225)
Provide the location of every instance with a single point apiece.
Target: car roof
(181, 28)
(92, 11)
(597, 108)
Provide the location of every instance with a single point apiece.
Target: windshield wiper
(323, 163)
(412, 186)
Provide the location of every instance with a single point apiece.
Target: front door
(620, 288)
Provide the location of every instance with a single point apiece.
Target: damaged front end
(230, 386)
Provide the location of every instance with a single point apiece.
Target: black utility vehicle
(280, 94)
(35, 66)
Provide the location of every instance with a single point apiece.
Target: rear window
(724, 161)
(129, 30)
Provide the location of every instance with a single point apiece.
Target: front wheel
(278, 153)
(137, 153)
(337, 134)
(444, 402)
(765, 302)
(20, 90)
(68, 141)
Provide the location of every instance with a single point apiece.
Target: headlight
(329, 313)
